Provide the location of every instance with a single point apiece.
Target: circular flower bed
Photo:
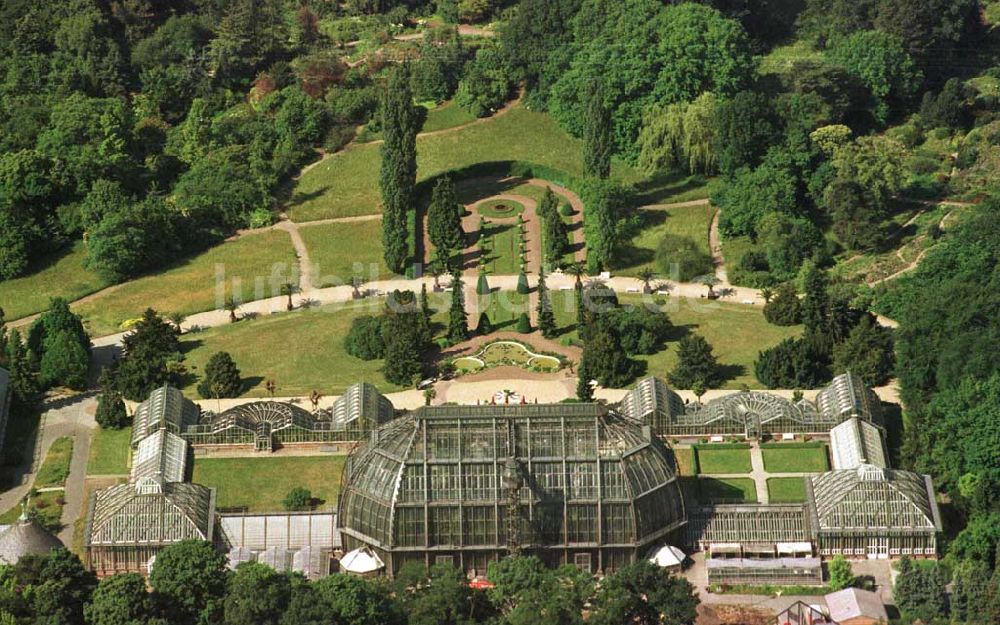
(507, 353)
(500, 209)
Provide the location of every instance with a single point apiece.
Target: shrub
(784, 309)
(524, 324)
(483, 285)
(566, 210)
(792, 363)
(522, 284)
(298, 498)
(337, 137)
(222, 378)
(261, 218)
(364, 339)
(484, 326)
(111, 414)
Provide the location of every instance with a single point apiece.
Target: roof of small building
(25, 537)
(871, 496)
(161, 456)
(852, 603)
(854, 443)
(165, 408)
(125, 515)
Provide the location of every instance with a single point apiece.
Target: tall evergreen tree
(222, 377)
(696, 364)
(404, 340)
(816, 306)
(148, 353)
(23, 385)
(398, 173)
(597, 140)
(458, 320)
(546, 317)
(425, 315)
(444, 220)
(969, 594)
(555, 238)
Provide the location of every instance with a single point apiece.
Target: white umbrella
(361, 561)
(667, 557)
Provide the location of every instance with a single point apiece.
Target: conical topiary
(482, 287)
(522, 283)
(524, 323)
(485, 326)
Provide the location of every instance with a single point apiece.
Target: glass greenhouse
(751, 414)
(570, 483)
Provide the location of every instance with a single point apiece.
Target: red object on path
(480, 584)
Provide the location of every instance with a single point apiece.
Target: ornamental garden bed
(507, 353)
(500, 208)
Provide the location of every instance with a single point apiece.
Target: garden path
(470, 225)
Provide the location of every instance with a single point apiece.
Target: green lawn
(687, 460)
(674, 187)
(503, 307)
(272, 479)
(301, 351)
(259, 262)
(786, 489)
(347, 183)
(503, 241)
(691, 222)
(729, 490)
(109, 452)
(723, 459)
(60, 275)
(336, 250)
(795, 458)
(446, 115)
(55, 467)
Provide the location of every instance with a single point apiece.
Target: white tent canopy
(667, 557)
(361, 561)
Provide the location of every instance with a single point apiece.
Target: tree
(355, 600)
(429, 395)
(597, 146)
(555, 237)
(111, 414)
(816, 306)
(298, 498)
(222, 189)
(841, 575)
(970, 591)
(364, 339)
(603, 360)
(644, 594)
(883, 65)
(222, 377)
(930, 30)
(485, 84)
(119, 600)
(876, 163)
(524, 323)
(482, 284)
(287, 290)
(61, 587)
(444, 220)
(680, 258)
(256, 595)
(867, 351)
(680, 136)
(647, 53)
(231, 306)
(397, 176)
(544, 314)
(754, 193)
(535, 42)
(856, 218)
(919, 591)
(946, 109)
(458, 320)
(405, 340)
(745, 126)
(607, 222)
(696, 364)
(149, 352)
(443, 597)
(484, 326)
(792, 363)
(522, 284)
(784, 309)
(190, 576)
(25, 392)
(65, 361)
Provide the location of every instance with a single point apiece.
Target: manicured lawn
(109, 452)
(347, 183)
(794, 458)
(301, 351)
(786, 489)
(687, 460)
(47, 506)
(503, 307)
(270, 480)
(723, 459)
(674, 187)
(503, 242)
(691, 222)
(55, 467)
(447, 115)
(500, 208)
(729, 490)
(61, 275)
(340, 251)
(257, 263)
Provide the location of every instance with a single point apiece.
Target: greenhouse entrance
(878, 548)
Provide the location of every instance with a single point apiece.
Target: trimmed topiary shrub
(522, 284)
(482, 286)
(485, 325)
(566, 210)
(524, 324)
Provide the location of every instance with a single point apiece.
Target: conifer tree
(815, 305)
(444, 220)
(222, 377)
(546, 318)
(696, 364)
(398, 173)
(425, 314)
(597, 139)
(458, 320)
(24, 387)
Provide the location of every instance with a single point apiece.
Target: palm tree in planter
(232, 307)
(577, 270)
(429, 395)
(710, 281)
(646, 276)
(287, 289)
(177, 319)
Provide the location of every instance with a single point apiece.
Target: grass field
(790, 458)
(109, 452)
(786, 489)
(301, 351)
(446, 115)
(55, 467)
(503, 307)
(728, 490)
(674, 187)
(335, 251)
(503, 241)
(253, 262)
(723, 459)
(691, 222)
(272, 479)
(347, 183)
(687, 460)
(61, 275)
